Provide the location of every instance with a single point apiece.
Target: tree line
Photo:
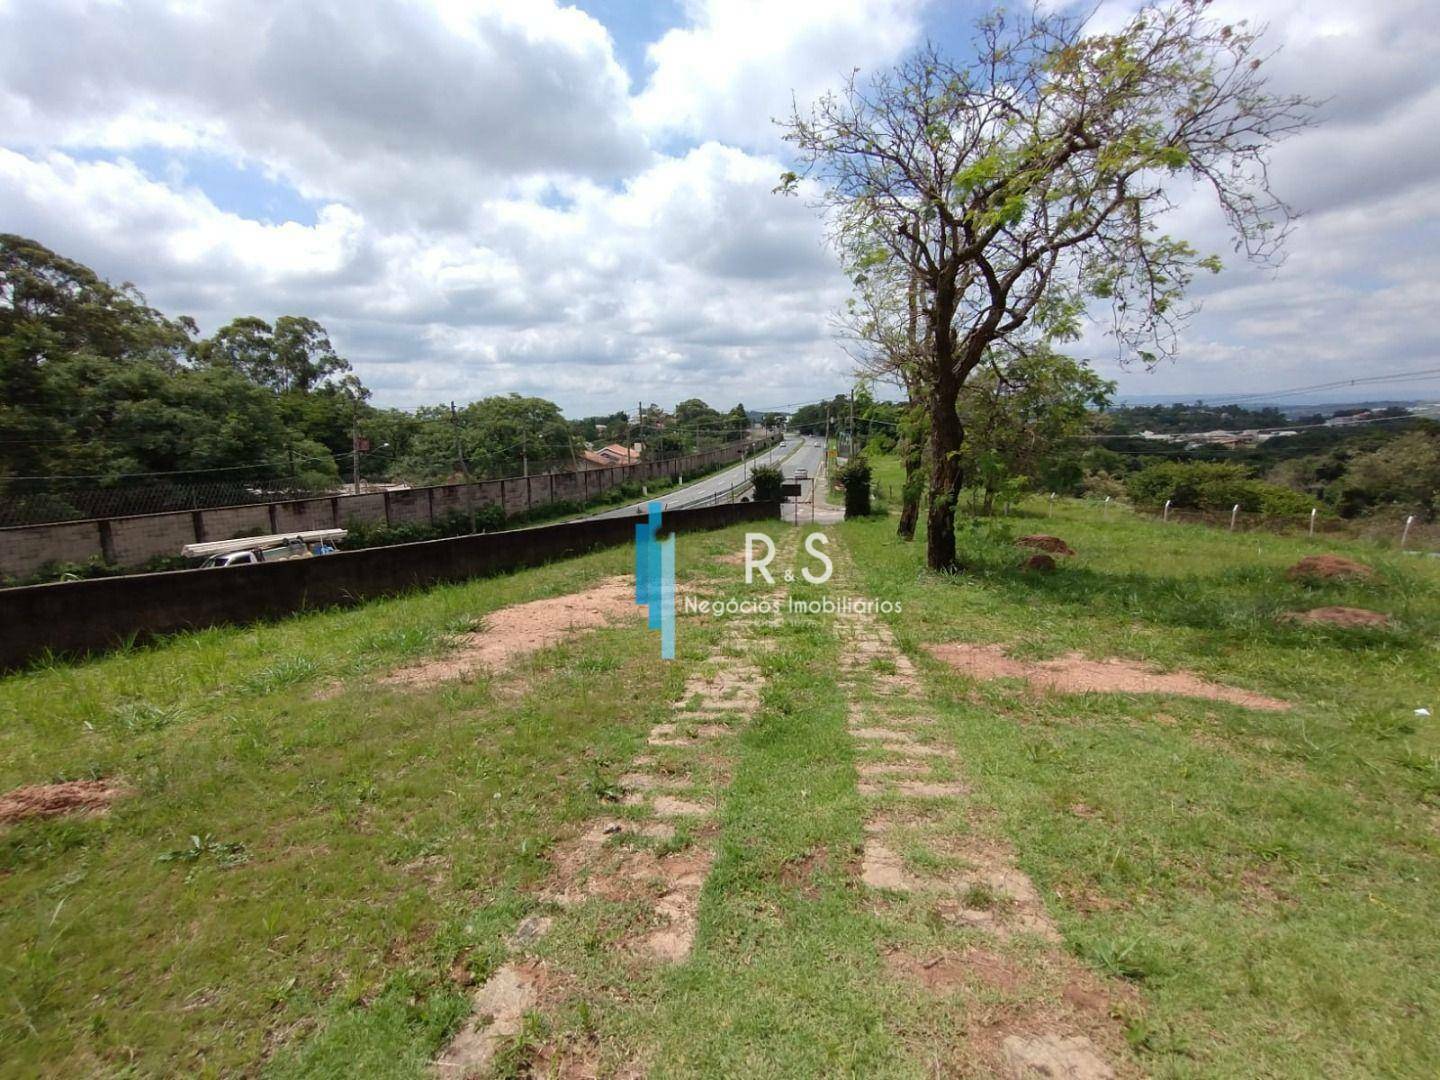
(108, 405)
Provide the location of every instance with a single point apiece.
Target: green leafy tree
(1028, 181)
(767, 480)
(1025, 413)
(1404, 473)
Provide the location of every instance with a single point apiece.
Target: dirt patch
(881, 868)
(1348, 617)
(874, 770)
(669, 806)
(1041, 542)
(51, 800)
(1071, 1056)
(678, 907)
(1329, 568)
(499, 1011)
(512, 632)
(1039, 563)
(1074, 674)
(947, 972)
(799, 874)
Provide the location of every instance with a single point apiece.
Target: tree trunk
(946, 433)
(913, 455)
(910, 493)
(946, 436)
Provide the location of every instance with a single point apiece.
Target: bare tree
(1024, 186)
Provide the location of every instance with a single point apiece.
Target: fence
(1385, 530)
(88, 616)
(133, 541)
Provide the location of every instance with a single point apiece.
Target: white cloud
(498, 208)
(692, 279)
(396, 107)
(735, 69)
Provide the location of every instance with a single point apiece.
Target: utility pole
(850, 445)
(469, 480)
(524, 453)
(355, 446)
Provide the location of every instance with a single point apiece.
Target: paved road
(810, 459)
(713, 488)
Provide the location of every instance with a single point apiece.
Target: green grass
(1268, 881)
(296, 875)
(348, 847)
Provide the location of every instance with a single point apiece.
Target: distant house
(609, 456)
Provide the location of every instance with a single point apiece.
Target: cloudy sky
(574, 201)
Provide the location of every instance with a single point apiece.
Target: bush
(855, 477)
(361, 534)
(767, 480)
(1100, 484)
(1210, 485)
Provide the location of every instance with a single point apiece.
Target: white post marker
(1234, 511)
(1313, 511)
(1167, 511)
(1405, 536)
(1051, 511)
(1106, 508)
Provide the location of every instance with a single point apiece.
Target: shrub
(767, 480)
(1211, 485)
(364, 535)
(855, 477)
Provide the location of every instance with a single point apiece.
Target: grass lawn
(1269, 882)
(296, 873)
(1260, 889)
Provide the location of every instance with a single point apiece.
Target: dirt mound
(1349, 617)
(1039, 563)
(1074, 674)
(514, 631)
(1329, 568)
(49, 800)
(1041, 542)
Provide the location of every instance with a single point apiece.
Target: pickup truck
(246, 550)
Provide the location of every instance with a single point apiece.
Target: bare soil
(944, 972)
(1052, 1055)
(515, 631)
(1329, 568)
(1041, 542)
(51, 800)
(1075, 674)
(1039, 563)
(1349, 617)
(499, 1012)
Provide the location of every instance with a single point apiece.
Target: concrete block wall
(366, 509)
(134, 541)
(71, 541)
(91, 616)
(408, 507)
(304, 515)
